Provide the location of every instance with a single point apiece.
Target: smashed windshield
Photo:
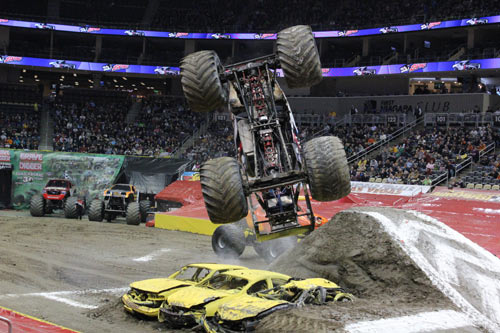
(226, 282)
(121, 187)
(192, 274)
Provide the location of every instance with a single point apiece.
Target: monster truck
(134, 33)
(119, 200)
(465, 65)
(220, 36)
(273, 167)
(386, 30)
(362, 71)
(166, 70)
(44, 26)
(61, 64)
(476, 21)
(57, 194)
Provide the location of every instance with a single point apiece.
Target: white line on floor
(152, 255)
(421, 322)
(70, 302)
(68, 292)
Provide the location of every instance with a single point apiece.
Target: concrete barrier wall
(397, 103)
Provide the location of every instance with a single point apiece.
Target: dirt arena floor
(73, 273)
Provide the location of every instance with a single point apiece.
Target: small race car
(242, 314)
(44, 26)
(476, 21)
(134, 33)
(186, 307)
(361, 71)
(178, 34)
(165, 70)
(62, 64)
(465, 65)
(220, 36)
(386, 30)
(146, 296)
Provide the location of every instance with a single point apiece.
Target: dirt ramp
(401, 260)
(354, 250)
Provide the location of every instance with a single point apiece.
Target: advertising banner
(251, 35)
(389, 189)
(31, 170)
(463, 65)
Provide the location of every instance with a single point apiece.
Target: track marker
(421, 322)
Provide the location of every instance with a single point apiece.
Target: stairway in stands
(189, 142)
(46, 131)
(133, 112)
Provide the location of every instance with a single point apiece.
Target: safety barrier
(9, 324)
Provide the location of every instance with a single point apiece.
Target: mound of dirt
(400, 263)
(356, 252)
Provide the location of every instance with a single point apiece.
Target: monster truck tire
(272, 249)
(96, 210)
(70, 210)
(37, 206)
(222, 188)
(144, 207)
(299, 56)
(327, 168)
(133, 214)
(200, 81)
(228, 241)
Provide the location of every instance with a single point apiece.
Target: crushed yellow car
(186, 307)
(242, 314)
(146, 296)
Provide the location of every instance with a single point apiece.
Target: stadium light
(24, 70)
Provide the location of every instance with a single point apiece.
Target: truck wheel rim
(221, 243)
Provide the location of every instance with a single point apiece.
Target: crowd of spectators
(425, 154)
(320, 14)
(218, 141)
(159, 129)
(234, 16)
(357, 137)
(20, 130)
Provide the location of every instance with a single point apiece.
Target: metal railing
(462, 165)
(9, 324)
(447, 119)
(390, 137)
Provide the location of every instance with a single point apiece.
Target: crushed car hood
(159, 285)
(310, 283)
(245, 306)
(192, 296)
